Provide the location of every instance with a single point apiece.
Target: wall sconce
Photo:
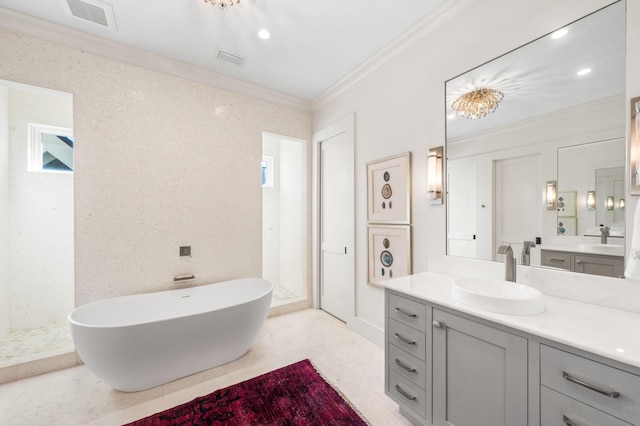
(552, 199)
(591, 200)
(610, 202)
(435, 178)
(622, 204)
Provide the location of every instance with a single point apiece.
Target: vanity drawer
(560, 410)
(578, 378)
(556, 259)
(407, 312)
(407, 338)
(407, 365)
(406, 393)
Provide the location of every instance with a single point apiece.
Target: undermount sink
(602, 248)
(499, 296)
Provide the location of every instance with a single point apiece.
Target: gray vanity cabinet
(407, 356)
(594, 264)
(468, 373)
(479, 374)
(450, 369)
(580, 391)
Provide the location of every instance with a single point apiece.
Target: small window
(267, 172)
(50, 149)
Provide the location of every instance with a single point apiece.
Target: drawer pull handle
(405, 394)
(567, 421)
(405, 313)
(612, 394)
(405, 366)
(437, 324)
(556, 260)
(404, 339)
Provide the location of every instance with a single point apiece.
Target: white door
(518, 202)
(336, 224)
(461, 200)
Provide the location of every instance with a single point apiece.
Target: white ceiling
(313, 44)
(541, 77)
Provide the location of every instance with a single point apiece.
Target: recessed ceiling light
(560, 33)
(264, 34)
(584, 71)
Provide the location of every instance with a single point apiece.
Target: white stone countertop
(608, 332)
(609, 250)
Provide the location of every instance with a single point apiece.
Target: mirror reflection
(591, 189)
(36, 222)
(532, 116)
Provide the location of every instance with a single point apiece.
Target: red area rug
(292, 395)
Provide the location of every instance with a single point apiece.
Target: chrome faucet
(525, 257)
(604, 233)
(509, 261)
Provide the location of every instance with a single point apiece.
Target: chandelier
(223, 4)
(477, 103)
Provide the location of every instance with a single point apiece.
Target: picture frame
(389, 190)
(566, 203)
(389, 249)
(634, 154)
(567, 226)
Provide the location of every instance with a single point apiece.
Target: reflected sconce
(591, 200)
(635, 147)
(435, 175)
(552, 199)
(622, 204)
(610, 202)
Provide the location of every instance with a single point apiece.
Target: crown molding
(434, 20)
(483, 142)
(23, 24)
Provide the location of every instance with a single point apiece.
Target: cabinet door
(479, 374)
(608, 266)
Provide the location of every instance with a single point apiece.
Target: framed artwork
(389, 190)
(567, 226)
(389, 252)
(567, 203)
(634, 182)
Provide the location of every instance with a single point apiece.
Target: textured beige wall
(160, 162)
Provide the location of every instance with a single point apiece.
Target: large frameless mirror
(523, 132)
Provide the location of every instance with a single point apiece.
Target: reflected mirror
(36, 222)
(539, 114)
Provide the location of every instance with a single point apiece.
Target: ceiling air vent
(230, 57)
(95, 11)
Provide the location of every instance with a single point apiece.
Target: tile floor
(27, 345)
(75, 397)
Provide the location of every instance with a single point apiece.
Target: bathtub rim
(74, 323)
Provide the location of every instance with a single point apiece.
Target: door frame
(344, 125)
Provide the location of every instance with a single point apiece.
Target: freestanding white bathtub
(137, 342)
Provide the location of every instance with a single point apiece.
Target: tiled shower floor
(281, 295)
(26, 345)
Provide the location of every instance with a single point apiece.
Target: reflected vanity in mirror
(551, 110)
(36, 223)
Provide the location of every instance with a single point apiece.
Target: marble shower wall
(161, 162)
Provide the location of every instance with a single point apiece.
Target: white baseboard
(369, 331)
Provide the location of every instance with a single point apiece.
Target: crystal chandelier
(477, 103)
(223, 4)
